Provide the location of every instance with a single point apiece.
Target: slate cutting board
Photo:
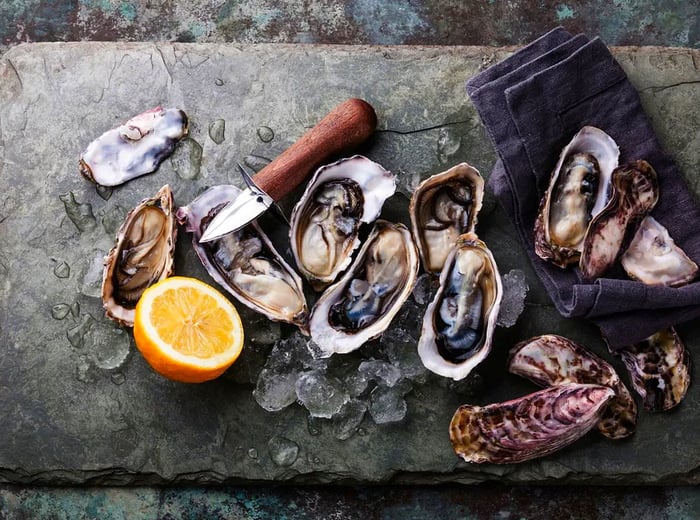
(79, 404)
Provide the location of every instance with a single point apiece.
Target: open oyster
(578, 190)
(550, 360)
(442, 208)
(326, 220)
(528, 427)
(654, 259)
(135, 148)
(360, 306)
(458, 324)
(142, 255)
(245, 262)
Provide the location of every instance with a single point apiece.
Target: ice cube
(400, 348)
(275, 390)
(321, 395)
(348, 419)
(387, 405)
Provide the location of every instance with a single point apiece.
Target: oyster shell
(443, 207)
(245, 262)
(459, 322)
(142, 255)
(135, 148)
(635, 192)
(550, 360)
(325, 222)
(654, 259)
(659, 368)
(578, 190)
(360, 306)
(528, 427)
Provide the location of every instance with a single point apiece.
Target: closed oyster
(360, 306)
(528, 427)
(654, 258)
(578, 190)
(245, 262)
(459, 322)
(442, 208)
(135, 148)
(326, 220)
(550, 360)
(635, 192)
(142, 255)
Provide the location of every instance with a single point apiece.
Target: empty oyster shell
(245, 262)
(459, 322)
(325, 222)
(550, 360)
(654, 259)
(442, 208)
(360, 306)
(135, 148)
(578, 190)
(528, 427)
(635, 192)
(142, 255)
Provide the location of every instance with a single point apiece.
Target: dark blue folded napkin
(532, 104)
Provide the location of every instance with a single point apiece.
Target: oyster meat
(550, 360)
(135, 148)
(528, 427)
(325, 222)
(245, 263)
(578, 190)
(442, 208)
(459, 322)
(142, 255)
(360, 306)
(654, 259)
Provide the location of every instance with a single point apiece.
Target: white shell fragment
(326, 220)
(135, 148)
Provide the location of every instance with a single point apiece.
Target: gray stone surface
(80, 405)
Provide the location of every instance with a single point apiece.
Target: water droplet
(283, 451)
(60, 311)
(75, 309)
(112, 219)
(107, 345)
(188, 159)
(256, 162)
(118, 378)
(79, 213)
(362, 432)
(266, 134)
(253, 453)
(216, 131)
(104, 191)
(62, 270)
(449, 142)
(218, 82)
(92, 275)
(76, 335)
(314, 425)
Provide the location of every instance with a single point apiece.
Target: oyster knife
(348, 125)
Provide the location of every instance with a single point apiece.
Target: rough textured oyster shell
(135, 148)
(142, 255)
(635, 192)
(245, 263)
(459, 322)
(659, 368)
(578, 190)
(654, 259)
(360, 306)
(443, 207)
(550, 360)
(529, 427)
(326, 220)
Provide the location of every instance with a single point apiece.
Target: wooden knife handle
(345, 127)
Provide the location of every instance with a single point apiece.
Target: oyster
(459, 322)
(531, 426)
(135, 148)
(635, 192)
(654, 259)
(360, 306)
(554, 360)
(245, 262)
(442, 208)
(326, 220)
(659, 368)
(578, 190)
(142, 255)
